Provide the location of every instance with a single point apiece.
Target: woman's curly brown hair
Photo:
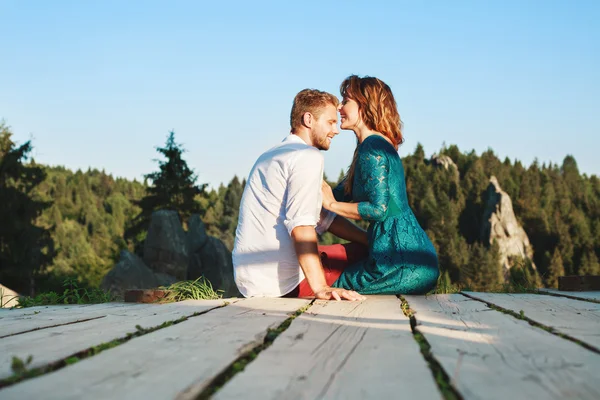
(377, 109)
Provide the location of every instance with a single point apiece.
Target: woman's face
(349, 114)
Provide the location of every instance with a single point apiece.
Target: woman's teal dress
(402, 259)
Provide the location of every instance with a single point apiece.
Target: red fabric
(335, 258)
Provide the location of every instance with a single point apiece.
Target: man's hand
(328, 198)
(329, 293)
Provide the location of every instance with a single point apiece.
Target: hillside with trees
(56, 223)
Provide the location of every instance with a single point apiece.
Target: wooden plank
(18, 312)
(340, 350)
(161, 364)
(579, 283)
(491, 355)
(40, 318)
(593, 296)
(577, 319)
(53, 344)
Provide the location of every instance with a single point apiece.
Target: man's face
(325, 128)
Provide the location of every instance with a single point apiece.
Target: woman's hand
(328, 198)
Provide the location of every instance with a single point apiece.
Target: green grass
(72, 294)
(200, 289)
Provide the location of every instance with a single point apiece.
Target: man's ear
(307, 120)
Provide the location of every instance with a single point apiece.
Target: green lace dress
(402, 259)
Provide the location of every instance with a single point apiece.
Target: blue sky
(101, 83)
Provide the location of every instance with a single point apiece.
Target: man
(275, 247)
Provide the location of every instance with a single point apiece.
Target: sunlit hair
(377, 110)
(312, 101)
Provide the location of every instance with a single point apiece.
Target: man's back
(282, 192)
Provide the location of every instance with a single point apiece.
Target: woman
(401, 258)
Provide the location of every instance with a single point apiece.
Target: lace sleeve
(373, 170)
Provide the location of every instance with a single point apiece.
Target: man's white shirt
(283, 192)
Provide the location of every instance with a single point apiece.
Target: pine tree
(173, 188)
(231, 207)
(555, 270)
(26, 249)
(589, 264)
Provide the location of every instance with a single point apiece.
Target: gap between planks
(492, 355)
(181, 356)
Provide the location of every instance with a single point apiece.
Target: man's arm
(305, 243)
(346, 230)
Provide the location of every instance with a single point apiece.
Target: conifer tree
(231, 206)
(589, 264)
(555, 270)
(25, 248)
(173, 188)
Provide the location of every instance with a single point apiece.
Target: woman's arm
(374, 165)
(346, 230)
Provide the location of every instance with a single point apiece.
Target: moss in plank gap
(549, 329)
(21, 372)
(442, 380)
(241, 362)
(568, 296)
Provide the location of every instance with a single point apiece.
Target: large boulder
(501, 225)
(196, 235)
(210, 258)
(129, 273)
(163, 279)
(165, 247)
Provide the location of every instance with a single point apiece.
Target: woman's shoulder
(377, 145)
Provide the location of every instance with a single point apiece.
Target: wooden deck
(469, 345)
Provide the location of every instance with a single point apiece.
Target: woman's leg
(335, 258)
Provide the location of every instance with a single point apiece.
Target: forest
(58, 224)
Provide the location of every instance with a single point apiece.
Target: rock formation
(171, 255)
(129, 273)
(165, 247)
(443, 161)
(501, 225)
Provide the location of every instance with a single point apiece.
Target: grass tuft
(200, 289)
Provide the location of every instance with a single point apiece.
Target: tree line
(57, 224)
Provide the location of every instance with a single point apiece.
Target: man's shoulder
(294, 152)
(304, 152)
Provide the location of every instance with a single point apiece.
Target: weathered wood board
(340, 350)
(53, 344)
(163, 363)
(579, 319)
(491, 355)
(575, 295)
(42, 317)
